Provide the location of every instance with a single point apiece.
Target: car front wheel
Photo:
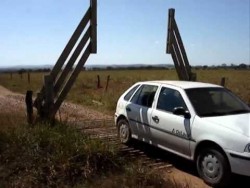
(124, 131)
(213, 167)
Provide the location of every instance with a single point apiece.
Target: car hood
(239, 122)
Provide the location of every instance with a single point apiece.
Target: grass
(52, 156)
(134, 176)
(84, 90)
(61, 156)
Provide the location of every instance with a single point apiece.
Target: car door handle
(128, 109)
(156, 119)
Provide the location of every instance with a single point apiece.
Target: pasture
(85, 91)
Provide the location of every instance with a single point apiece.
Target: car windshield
(209, 102)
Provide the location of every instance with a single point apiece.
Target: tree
(204, 67)
(242, 66)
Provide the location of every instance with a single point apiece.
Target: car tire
(124, 132)
(213, 167)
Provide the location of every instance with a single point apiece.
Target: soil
(10, 102)
(186, 179)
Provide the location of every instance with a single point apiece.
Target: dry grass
(52, 156)
(60, 156)
(85, 92)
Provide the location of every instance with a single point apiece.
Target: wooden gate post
(175, 47)
(107, 83)
(49, 97)
(29, 106)
(93, 25)
(61, 78)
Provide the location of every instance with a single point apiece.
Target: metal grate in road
(106, 130)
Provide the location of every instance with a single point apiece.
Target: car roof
(183, 84)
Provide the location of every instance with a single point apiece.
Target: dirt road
(10, 101)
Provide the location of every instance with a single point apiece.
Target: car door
(139, 111)
(170, 131)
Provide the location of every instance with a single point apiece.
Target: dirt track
(101, 125)
(10, 101)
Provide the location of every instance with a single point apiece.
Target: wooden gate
(63, 75)
(176, 48)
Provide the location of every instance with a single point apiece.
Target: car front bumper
(239, 162)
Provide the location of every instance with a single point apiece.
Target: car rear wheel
(213, 167)
(124, 132)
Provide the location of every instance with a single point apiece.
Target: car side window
(145, 95)
(169, 99)
(130, 93)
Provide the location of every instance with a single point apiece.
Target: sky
(34, 32)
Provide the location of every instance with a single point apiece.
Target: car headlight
(247, 148)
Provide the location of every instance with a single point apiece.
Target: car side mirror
(182, 111)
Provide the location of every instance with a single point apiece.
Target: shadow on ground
(182, 164)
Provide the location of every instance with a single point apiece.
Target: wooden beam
(93, 25)
(71, 80)
(170, 20)
(71, 62)
(180, 60)
(182, 48)
(68, 48)
(77, 33)
(176, 63)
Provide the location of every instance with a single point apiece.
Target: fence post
(29, 106)
(223, 81)
(107, 84)
(29, 77)
(98, 82)
(11, 75)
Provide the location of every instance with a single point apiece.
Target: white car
(202, 122)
